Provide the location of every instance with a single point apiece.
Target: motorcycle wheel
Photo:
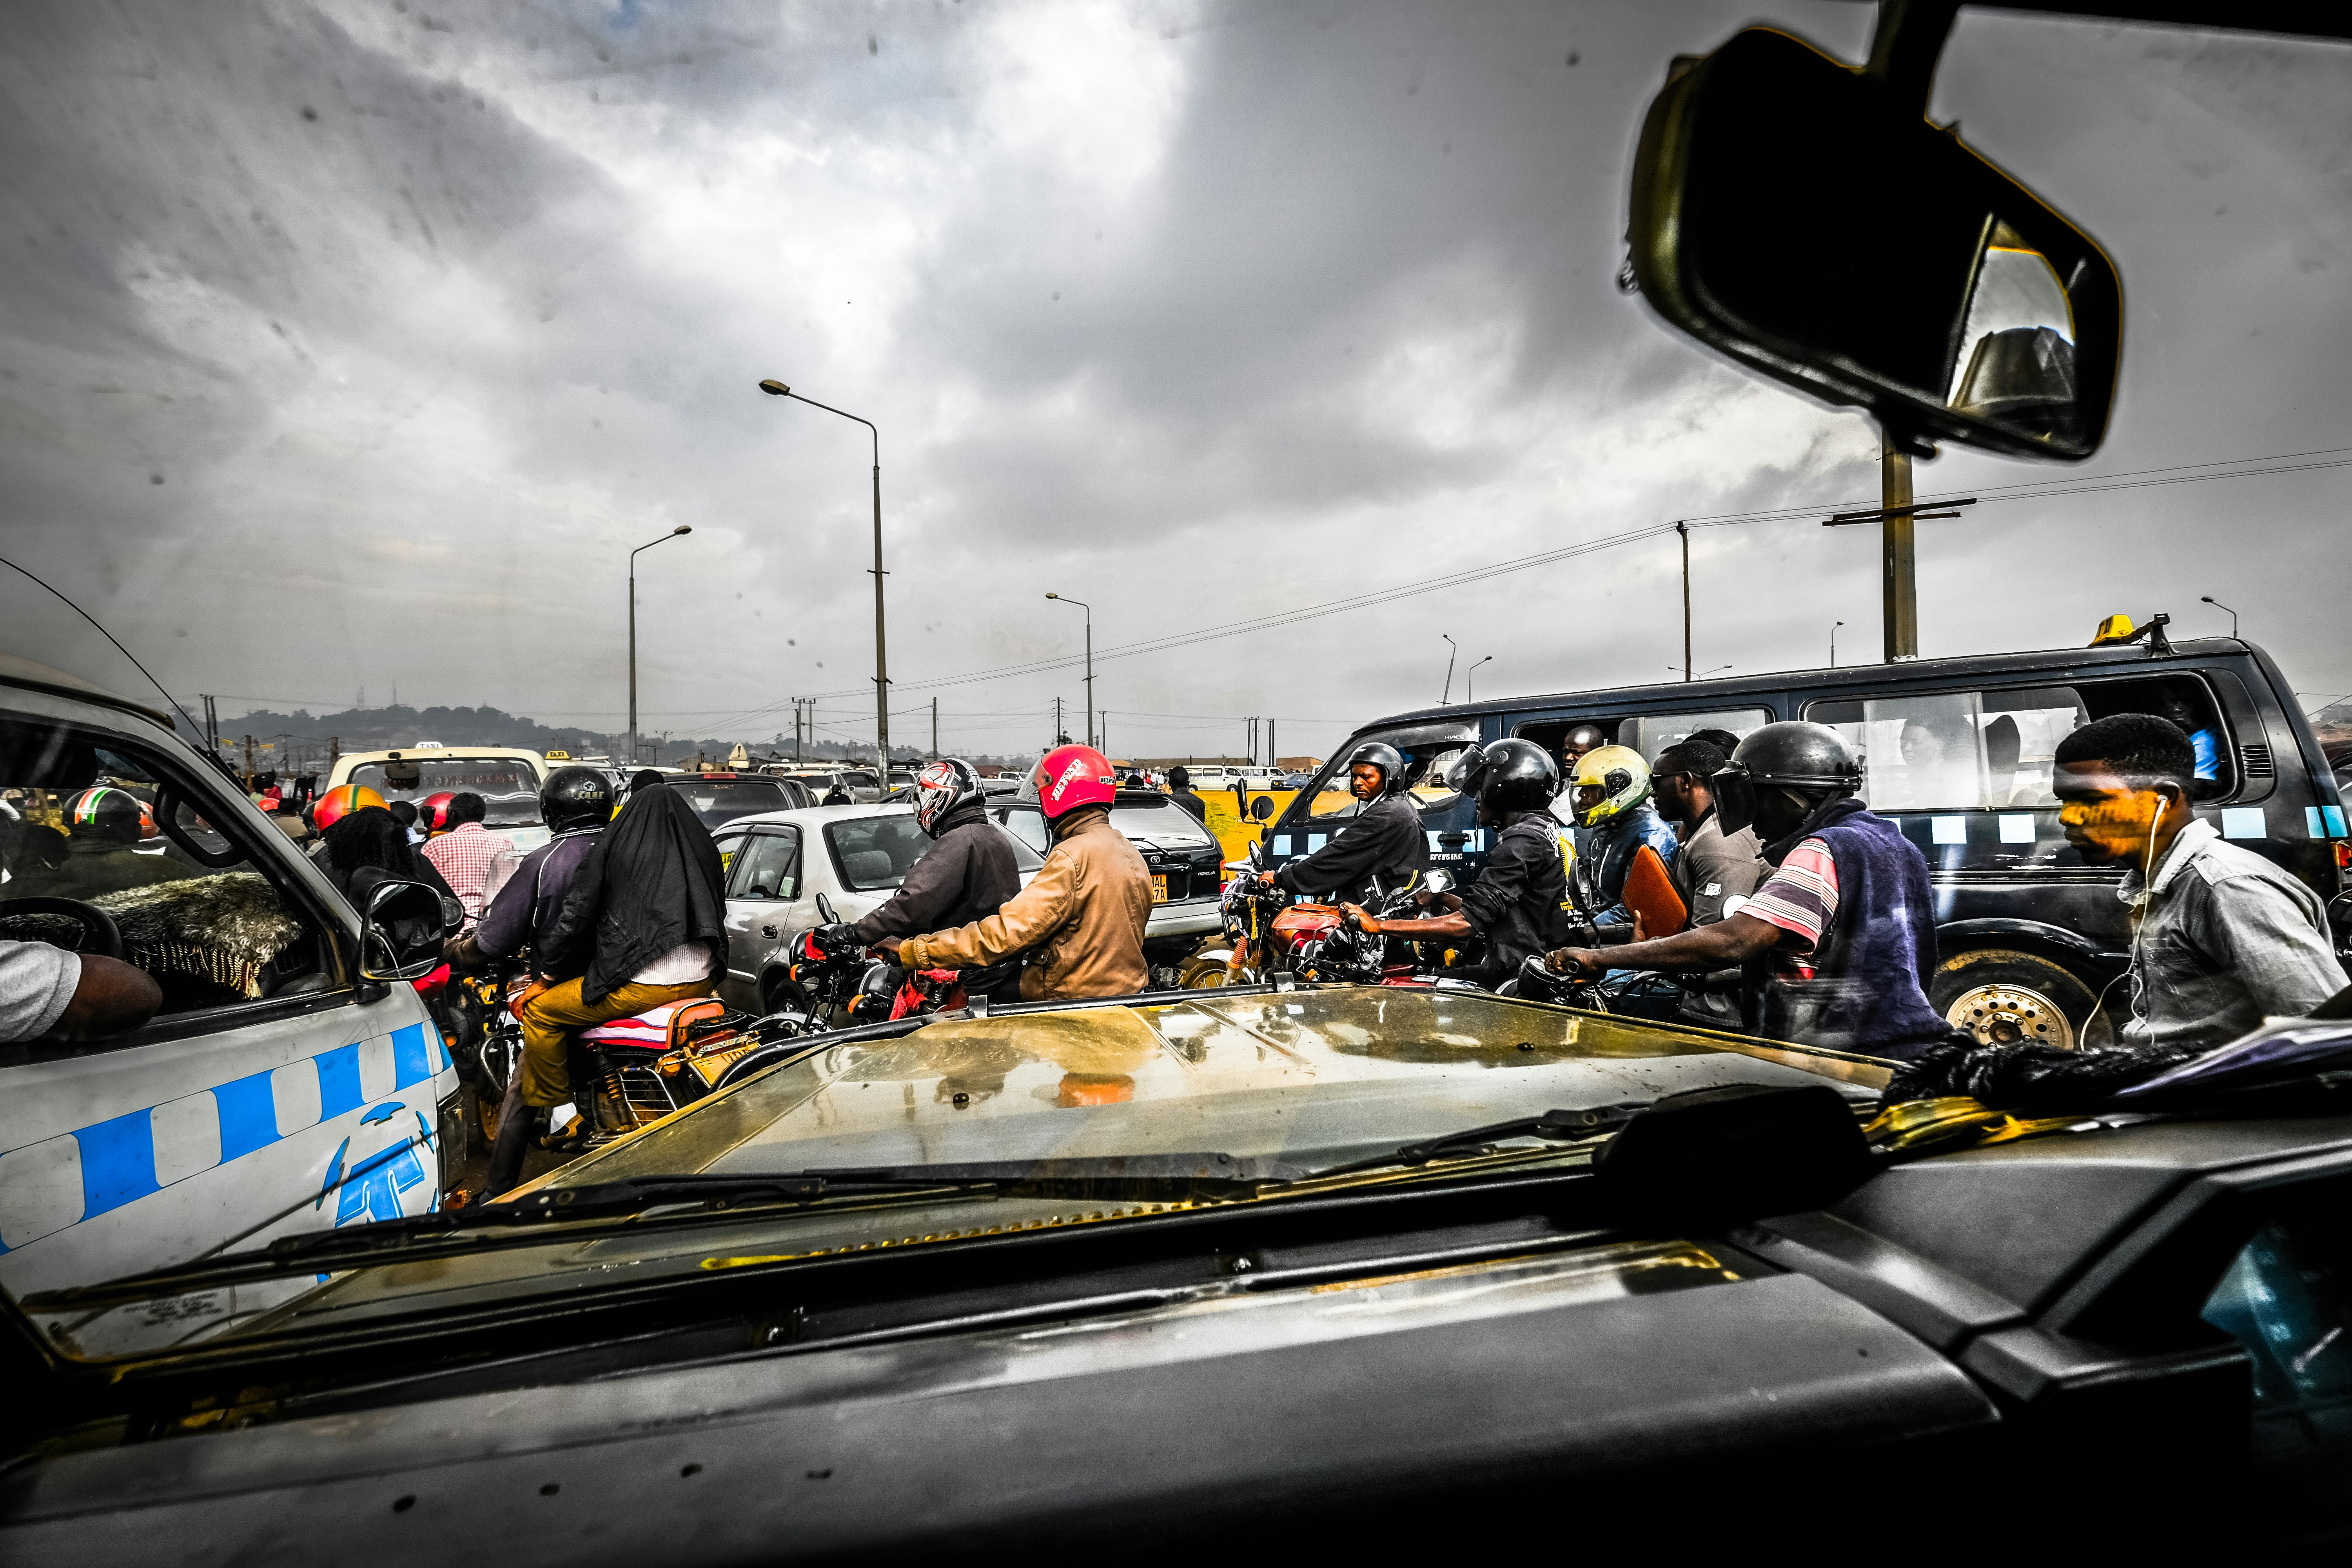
(1209, 970)
(486, 1118)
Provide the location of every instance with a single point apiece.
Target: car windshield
(509, 785)
(722, 800)
(1309, 1080)
(1426, 748)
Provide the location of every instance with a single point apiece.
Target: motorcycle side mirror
(1256, 855)
(1437, 881)
(1974, 312)
(824, 908)
(1261, 808)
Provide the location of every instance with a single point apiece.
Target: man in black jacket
(1518, 903)
(1180, 790)
(1382, 845)
(965, 876)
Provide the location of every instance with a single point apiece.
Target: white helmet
(939, 788)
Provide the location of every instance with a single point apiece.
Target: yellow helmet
(1620, 773)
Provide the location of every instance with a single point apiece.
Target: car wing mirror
(1261, 808)
(402, 928)
(1801, 216)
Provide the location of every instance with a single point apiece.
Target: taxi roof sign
(2113, 629)
(558, 756)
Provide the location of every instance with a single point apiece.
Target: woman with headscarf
(642, 925)
(364, 848)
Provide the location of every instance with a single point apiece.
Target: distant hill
(304, 735)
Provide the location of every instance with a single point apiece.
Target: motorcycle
(622, 1075)
(1268, 935)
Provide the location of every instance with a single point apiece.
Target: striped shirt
(463, 856)
(1801, 897)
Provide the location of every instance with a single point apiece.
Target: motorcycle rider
(576, 803)
(967, 874)
(1714, 869)
(1382, 847)
(1518, 901)
(1079, 922)
(1837, 947)
(104, 825)
(1613, 819)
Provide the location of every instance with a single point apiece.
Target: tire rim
(2008, 1015)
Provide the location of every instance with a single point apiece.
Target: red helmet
(336, 802)
(939, 788)
(1069, 777)
(433, 811)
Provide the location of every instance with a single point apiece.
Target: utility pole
(1057, 722)
(1273, 751)
(212, 726)
(1901, 615)
(1106, 731)
(334, 751)
(248, 762)
(935, 729)
(1684, 528)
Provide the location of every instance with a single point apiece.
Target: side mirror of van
(402, 929)
(1792, 213)
(1261, 808)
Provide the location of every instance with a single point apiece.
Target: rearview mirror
(1261, 808)
(1788, 213)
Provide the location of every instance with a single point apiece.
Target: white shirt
(36, 981)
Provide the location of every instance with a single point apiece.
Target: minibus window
(1953, 751)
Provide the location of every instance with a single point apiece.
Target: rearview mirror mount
(1803, 217)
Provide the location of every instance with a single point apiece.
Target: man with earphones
(2222, 937)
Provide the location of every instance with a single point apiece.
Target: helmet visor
(1735, 799)
(1467, 771)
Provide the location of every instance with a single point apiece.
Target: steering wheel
(99, 934)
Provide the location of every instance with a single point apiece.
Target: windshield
(722, 800)
(1309, 1080)
(509, 785)
(1427, 749)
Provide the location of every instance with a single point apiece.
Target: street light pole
(2218, 604)
(1834, 626)
(673, 534)
(881, 643)
(1089, 609)
(1451, 650)
(1470, 679)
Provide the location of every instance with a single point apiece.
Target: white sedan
(779, 862)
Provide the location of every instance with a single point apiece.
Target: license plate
(1159, 889)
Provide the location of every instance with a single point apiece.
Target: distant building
(1298, 764)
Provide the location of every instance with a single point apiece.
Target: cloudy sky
(353, 344)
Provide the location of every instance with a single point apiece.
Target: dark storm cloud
(426, 318)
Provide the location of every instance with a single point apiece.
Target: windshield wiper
(1560, 1126)
(562, 1213)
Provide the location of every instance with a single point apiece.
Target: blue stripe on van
(412, 1059)
(118, 1161)
(339, 1082)
(118, 1155)
(249, 1116)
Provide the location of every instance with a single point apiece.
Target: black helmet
(1812, 759)
(1505, 776)
(1385, 757)
(575, 798)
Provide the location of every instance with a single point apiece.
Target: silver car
(779, 861)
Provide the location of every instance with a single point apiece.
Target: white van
(284, 1086)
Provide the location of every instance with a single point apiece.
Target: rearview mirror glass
(1261, 808)
(1787, 211)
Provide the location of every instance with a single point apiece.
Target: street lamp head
(775, 388)
(1053, 596)
(681, 527)
(2208, 599)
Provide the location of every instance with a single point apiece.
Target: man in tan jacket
(1080, 920)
